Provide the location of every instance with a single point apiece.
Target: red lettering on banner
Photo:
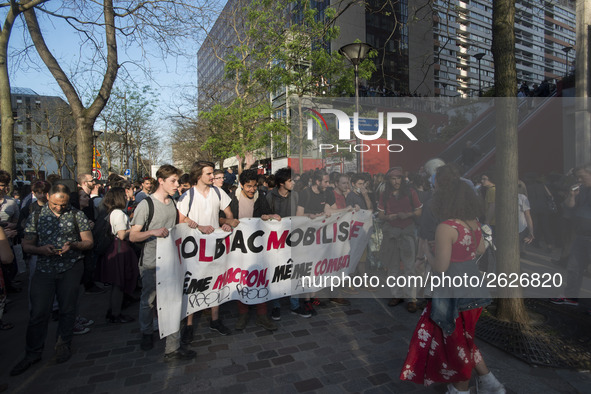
(262, 280)
(334, 231)
(202, 256)
(274, 243)
(227, 242)
(221, 281)
(243, 277)
(355, 227)
(178, 243)
(318, 235)
(251, 280)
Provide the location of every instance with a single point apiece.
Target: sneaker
(84, 321)
(147, 342)
(488, 384)
(564, 301)
(217, 325)
(242, 320)
(180, 354)
(62, 353)
(301, 312)
(340, 301)
(276, 314)
(79, 329)
(309, 308)
(266, 323)
(94, 289)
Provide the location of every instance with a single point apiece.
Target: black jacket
(261, 207)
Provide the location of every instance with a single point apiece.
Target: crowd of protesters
(90, 237)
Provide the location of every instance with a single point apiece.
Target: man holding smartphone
(58, 235)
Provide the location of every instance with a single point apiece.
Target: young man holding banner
(150, 223)
(247, 203)
(200, 208)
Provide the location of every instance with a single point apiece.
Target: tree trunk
(301, 135)
(85, 117)
(510, 303)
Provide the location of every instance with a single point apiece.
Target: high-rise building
(462, 35)
(44, 135)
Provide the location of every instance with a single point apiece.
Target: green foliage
(279, 46)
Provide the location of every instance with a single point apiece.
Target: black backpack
(102, 234)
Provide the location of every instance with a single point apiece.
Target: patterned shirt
(56, 231)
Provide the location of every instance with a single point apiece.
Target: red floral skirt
(433, 357)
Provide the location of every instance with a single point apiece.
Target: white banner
(257, 262)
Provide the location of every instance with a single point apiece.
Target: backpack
(192, 194)
(102, 234)
(146, 225)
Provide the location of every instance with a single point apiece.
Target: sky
(173, 77)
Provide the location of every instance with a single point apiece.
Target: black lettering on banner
(300, 270)
(192, 253)
(252, 294)
(300, 235)
(309, 236)
(251, 239)
(220, 248)
(215, 297)
(343, 231)
(282, 272)
(238, 242)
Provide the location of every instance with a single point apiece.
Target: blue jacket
(448, 301)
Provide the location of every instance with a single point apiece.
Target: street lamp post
(566, 51)
(479, 57)
(356, 53)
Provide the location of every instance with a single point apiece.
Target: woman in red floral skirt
(442, 348)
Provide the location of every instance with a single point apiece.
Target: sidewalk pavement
(353, 349)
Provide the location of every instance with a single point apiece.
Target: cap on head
(395, 171)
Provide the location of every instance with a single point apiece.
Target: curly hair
(454, 198)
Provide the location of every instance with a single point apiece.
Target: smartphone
(57, 250)
(575, 188)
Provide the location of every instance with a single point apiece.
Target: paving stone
(92, 370)
(103, 377)
(217, 348)
(137, 379)
(124, 373)
(308, 385)
(282, 336)
(300, 333)
(283, 360)
(258, 365)
(82, 389)
(93, 356)
(308, 346)
(247, 376)
(235, 389)
(123, 350)
(288, 350)
(379, 379)
(267, 354)
(253, 349)
(233, 369)
(81, 364)
(332, 368)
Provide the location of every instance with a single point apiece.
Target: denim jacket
(449, 300)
